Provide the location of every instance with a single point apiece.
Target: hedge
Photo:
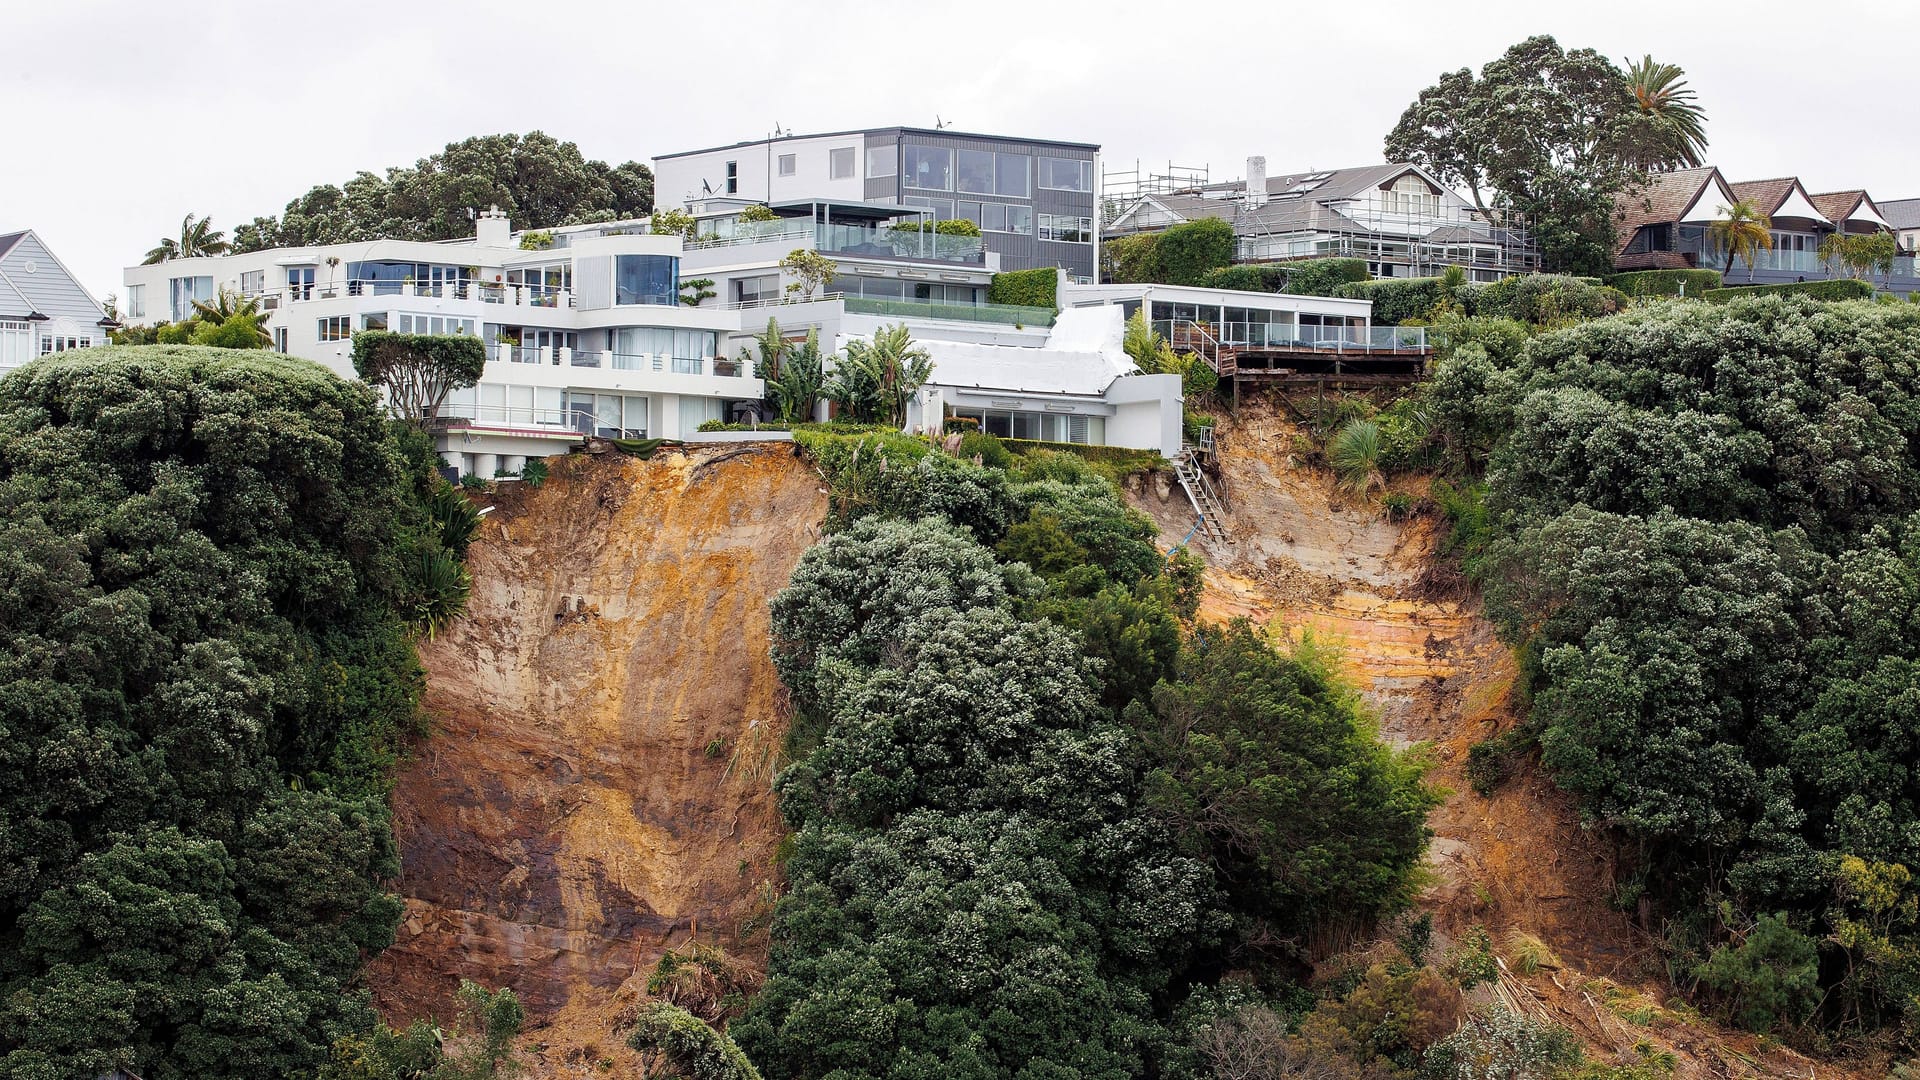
(1121, 460)
(1839, 289)
(1544, 298)
(1395, 300)
(1665, 282)
(1319, 277)
(1026, 288)
(1187, 252)
(1265, 278)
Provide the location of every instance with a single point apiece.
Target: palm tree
(893, 365)
(197, 237)
(1744, 231)
(229, 307)
(1680, 125)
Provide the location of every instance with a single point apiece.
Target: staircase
(1196, 338)
(1209, 501)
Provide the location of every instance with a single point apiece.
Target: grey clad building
(1033, 199)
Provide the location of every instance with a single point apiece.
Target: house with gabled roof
(1904, 216)
(43, 307)
(1668, 225)
(1398, 217)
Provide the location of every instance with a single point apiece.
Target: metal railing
(1006, 314)
(506, 293)
(1244, 335)
(578, 420)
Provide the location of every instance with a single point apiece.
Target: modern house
(591, 330)
(1398, 217)
(1668, 225)
(585, 336)
(1032, 198)
(1904, 216)
(43, 307)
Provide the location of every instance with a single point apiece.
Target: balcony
(1004, 314)
(1253, 336)
(864, 241)
(549, 356)
(503, 293)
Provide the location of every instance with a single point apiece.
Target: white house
(592, 329)
(43, 307)
(587, 335)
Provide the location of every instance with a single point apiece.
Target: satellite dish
(706, 188)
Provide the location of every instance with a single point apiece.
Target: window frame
(833, 163)
(1083, 166)
(785, 164)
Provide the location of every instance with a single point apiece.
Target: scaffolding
(1121, 188)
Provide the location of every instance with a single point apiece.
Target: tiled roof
(1767, 195)
(1836, 205)
(1664, 199)
(1901, 213)
(1296, 202)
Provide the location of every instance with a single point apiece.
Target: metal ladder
(1208, 501)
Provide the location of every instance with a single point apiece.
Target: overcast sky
(124, 117)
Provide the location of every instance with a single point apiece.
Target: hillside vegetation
(212, 568)
(1699, 528)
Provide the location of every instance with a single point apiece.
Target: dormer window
(1412, 196)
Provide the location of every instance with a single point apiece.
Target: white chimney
(492, 229)
(1256, 182)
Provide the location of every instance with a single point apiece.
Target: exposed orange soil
(1301, 559)
(589, 797)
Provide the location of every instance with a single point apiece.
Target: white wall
(1148, 413)
(677, 180)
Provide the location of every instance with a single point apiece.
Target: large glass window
(183, 291)
(882, 162)
(1066, 174)
(1045, 427)
(999, 217)
(410, 323)
(1010, 175)
(942, 208)
(840, 163)
(16, 343)
(929, 168)
(973, 171)
(136, 301)
(253, 282)
(646, 279)
(1075, 230)
(760, 289)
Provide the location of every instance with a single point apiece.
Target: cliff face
(595, 788)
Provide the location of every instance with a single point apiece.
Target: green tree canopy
(1552, 134)
(538, 180)
(203, 681)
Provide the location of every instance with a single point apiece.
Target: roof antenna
(939, 124)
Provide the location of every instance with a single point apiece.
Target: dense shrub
(1266, 764)
(1395, 300)
(998, 868)
(1320, 277)
(1131, 258)
(1186, 253)
(206, 678)
(1703, 532)
(1028, 288)
(1265, 278)
(1638, 283)
(1837, 289)
(1545, 298)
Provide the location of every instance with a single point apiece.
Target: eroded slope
(1300, 558)
(585, 799)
